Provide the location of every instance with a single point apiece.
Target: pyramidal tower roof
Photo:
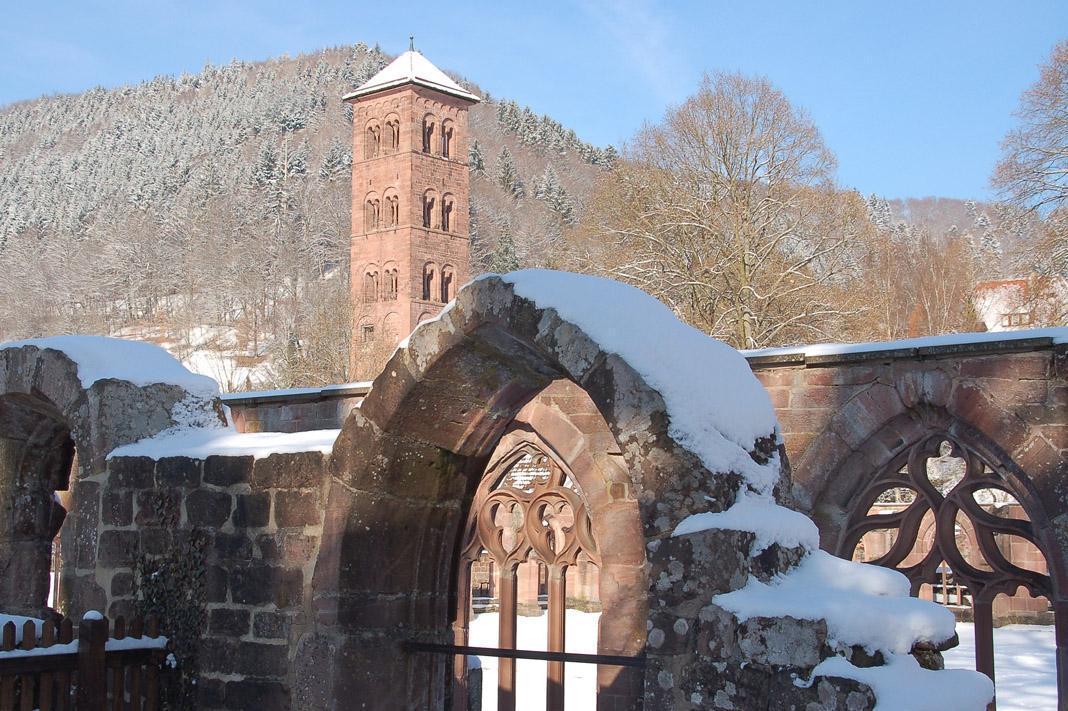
(411, 68)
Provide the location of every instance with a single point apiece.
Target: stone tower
(410, 189)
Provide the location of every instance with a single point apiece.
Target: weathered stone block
(122, 584)
(116, 507)
(302, 470)
(271, 625)
(259, 695)
(178, 471)
(296, 508)
(252, 510)
(131, 472)
(118, 547)
(207, 508)
(227, 471)
(260, 584)
(227, 622)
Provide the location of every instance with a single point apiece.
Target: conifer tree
(475, 159)
(504, 258)
(508, 174)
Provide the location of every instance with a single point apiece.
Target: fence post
(92, 672)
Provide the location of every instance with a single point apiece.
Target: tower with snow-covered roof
(410, 192)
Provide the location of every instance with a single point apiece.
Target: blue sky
(913, 97)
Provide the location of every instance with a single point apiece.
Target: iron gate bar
(606, 659)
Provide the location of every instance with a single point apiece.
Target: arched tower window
(446, 137)
(372, 140)
(446, 212)
(371, 213)
(391, 283)
(430, 275)
(447, 283)
(391, 217)
(429, 126)
(370, 284)
(392, 142)
(430, 200)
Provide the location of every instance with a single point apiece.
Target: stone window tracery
(944, 515)
(372, 213)
(370, 285)
(392, 143)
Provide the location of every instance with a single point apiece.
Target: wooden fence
(98, 671)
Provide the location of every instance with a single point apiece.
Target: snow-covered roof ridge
(135, 362)
(412, 68)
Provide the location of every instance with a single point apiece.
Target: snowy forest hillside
(210, 212)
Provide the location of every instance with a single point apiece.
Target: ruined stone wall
(259, 523)
(845, 418)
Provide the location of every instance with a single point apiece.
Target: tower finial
(411, 42)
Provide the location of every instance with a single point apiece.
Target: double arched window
(392, 283)
(372, 212)
(372, 140)
(370, 284)
(392, 135)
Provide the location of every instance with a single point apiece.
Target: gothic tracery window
(529, 550)
(946, 517)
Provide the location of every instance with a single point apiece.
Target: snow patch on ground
(201, 443)
(136, 362)
(1025, 664)
(580, 680)
(903, 685)
(717, 407)
(759, 515)
(862, 604)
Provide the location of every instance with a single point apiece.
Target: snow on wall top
(412, 68)
(716, 406)
(1058, 335)
(204, 442)
(136, 362)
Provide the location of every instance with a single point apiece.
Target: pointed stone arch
(408, 460)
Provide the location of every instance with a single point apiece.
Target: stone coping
(786, 357)
(296, 395)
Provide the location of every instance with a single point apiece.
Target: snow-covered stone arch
(743, 612)
(61, 397)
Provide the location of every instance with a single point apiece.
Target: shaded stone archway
(403, 473)
(55, 435)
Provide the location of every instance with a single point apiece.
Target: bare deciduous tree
(728, 212)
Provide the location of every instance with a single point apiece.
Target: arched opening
(448, 278)
(392, 208)
(392, 142)
(430, 200)
(392, 282)
(950, 517)
(36, 458)
(372, 140)
(446, 212)
(370, 285)
(430, 276)
(447, 129)
(407, 468)
(531, 555)
(371, 212)
(430, 123)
